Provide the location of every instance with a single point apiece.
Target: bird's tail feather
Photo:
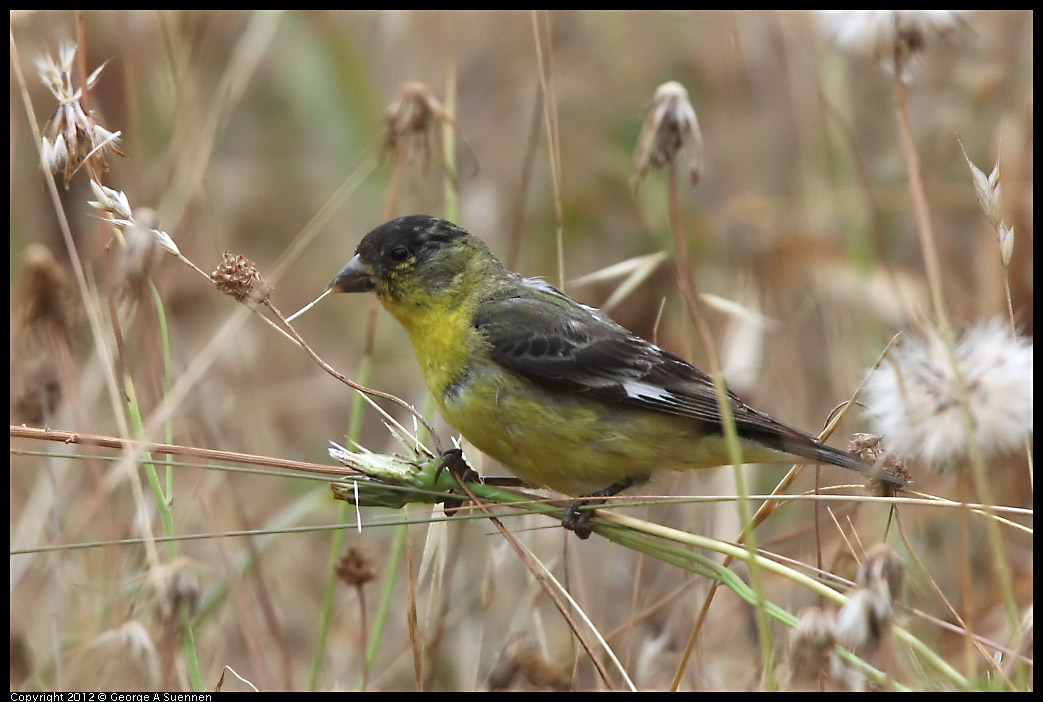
(845, 459)
(800, 444)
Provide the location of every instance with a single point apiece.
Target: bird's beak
(354, 277)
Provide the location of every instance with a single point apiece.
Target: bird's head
(415, 262)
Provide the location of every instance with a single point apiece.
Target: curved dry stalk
(351, 383)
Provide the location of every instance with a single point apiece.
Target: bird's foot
(578, 520)
(453, 461)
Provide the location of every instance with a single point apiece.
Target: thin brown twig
(391, 201)
(69, 437)
(93, 169)
(550, 123)
(528, 159)
(363, 630)
(415, 644)
(351, 383)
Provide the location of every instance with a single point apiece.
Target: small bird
(553, 389)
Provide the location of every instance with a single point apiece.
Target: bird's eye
(398, 254)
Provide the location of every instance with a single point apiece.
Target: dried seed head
(915, 400)
(1006, 245)
(522, 656)
(669, 135)
(133, 642)
(51, 333)
(887, 35)
(811, 643)
(864, 619)
(55, 155)
(238, 277)
(412, 123)
(36, 388)
(882, 571)
(176, 584)
(880, 32)
(185, 588)
(870, 449)
(49, 294)
(112, 203)
(987, 190)
(115, 209)
(356, 567)
(72, 136)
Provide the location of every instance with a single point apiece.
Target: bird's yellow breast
(443, 336)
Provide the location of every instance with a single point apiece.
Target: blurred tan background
(239, 127)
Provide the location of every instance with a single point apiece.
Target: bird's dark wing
(540, 334)
(548, 338)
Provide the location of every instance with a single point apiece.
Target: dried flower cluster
(891, 35)
(237, 276)
(521, 656)
(73, 136)
(356, 567)
(915, 398)
(870, 449)
(859, 626)
(669, 135)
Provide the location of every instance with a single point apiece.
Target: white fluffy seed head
(914, 397)
(887, 34)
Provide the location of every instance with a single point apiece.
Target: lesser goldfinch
(553, 389)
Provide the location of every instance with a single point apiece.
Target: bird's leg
(577, 520)
(453, 461)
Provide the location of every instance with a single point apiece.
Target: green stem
(167, 519)
(164, 336)
(731, 438)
